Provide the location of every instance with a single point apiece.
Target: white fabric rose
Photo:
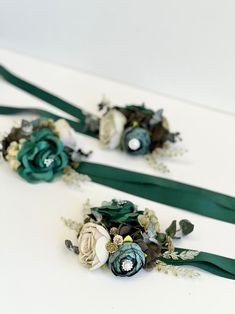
(66, 133)
(92, 245)
(111, 128)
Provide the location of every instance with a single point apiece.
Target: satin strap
(165, 191)
(214, 264)
(51, 99)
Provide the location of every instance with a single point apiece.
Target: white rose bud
(111, 128)
(92, 245)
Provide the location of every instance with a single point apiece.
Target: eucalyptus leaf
(186, 226)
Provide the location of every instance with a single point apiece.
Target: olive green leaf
(171, 230)
(186, 226)
(161, 237)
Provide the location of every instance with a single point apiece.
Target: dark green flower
(42, 157)
(127, 260)
(136, 141)
(117, 212)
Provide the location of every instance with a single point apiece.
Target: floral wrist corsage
(126, 239)
(138, 130)
(43, 149)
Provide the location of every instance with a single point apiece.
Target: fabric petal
(101, 252)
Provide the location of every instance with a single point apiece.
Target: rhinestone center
(48, 161)
(134, 144)
(127, 265)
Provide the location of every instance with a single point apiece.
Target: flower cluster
(137, 131)
(42, 149)
(124, 238)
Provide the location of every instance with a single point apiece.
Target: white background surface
(38, 275)
(184, 48)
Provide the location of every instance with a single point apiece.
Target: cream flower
(111, 128)
(11, 156)
(66, 133)
(13, 150)
(14, 164)
(92, 245)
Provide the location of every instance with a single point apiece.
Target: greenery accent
(176, 270)
(74, 178)
(128, 239)
(184, 255)
(156, 164)
(73, 225)
(168, 151)
(186, 226)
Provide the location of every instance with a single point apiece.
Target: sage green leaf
(186, 226)
(161, 237)
(171, 230)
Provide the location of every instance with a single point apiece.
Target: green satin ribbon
(77, 126)
(44, 95)
(161, 190)
(191, 198)
(212, 263)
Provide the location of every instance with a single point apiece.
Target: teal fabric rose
(127, 260)
(42, 157)
(136, 141)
